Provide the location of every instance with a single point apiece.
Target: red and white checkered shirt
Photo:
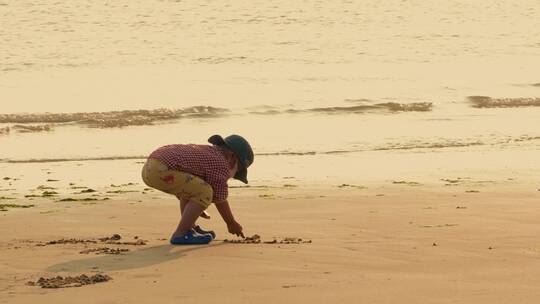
(205, 161)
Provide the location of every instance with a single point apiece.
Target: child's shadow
(130, 260)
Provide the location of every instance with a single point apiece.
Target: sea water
(339, 89)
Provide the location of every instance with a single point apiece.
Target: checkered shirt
(204, 161)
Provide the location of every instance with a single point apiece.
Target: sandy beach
(460, 240)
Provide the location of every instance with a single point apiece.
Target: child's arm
(225, 211)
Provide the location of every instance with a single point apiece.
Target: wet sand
(455, 240)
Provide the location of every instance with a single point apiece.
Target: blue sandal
(191, 238)
(199, 230)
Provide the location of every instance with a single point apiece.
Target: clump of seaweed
(49, 193)
(123, 185)
(86, 199)
(42, 187)
(137, 242)
(115, 238)
(105, 250)
(111, 240)
(68, 241)
(256, 239)
(4, 207)
(67, 282)
(351, 186)
(121, 191)
(408, 183)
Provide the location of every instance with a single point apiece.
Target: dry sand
(396, 242)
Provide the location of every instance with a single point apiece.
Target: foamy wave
(396, 146)
(288, 153)
(26, 128)
(428, 145)
(388, 106)
(33, 128)
(419, 145)
(386, 147)
(408, 107)
(488, 102)
(114, 119)
(523, 138)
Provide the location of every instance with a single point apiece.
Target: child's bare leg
(191, 213)
(183, 203)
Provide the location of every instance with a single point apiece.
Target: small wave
(397, 146)
(419, 145)
(385, 147)
(427, 145)
(526, 138)
(520, 139)
(288, 153)
(114, 119)
(488, 102)
(55, 160)
(408, 107)
(388, 106)
(33, 128)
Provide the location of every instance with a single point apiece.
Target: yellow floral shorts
(185, 186)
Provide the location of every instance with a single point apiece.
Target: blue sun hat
(241, 149)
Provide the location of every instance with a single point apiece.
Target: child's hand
(235, 228)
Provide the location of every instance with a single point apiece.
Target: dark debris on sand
(111, 240)
(67, 282)
(68, 241)
(256, 239)
(4, 207)
(114, 240)
(114, 237)
(89, 190)
(138, 242)
(104, 250)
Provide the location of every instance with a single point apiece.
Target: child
(197, 175)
